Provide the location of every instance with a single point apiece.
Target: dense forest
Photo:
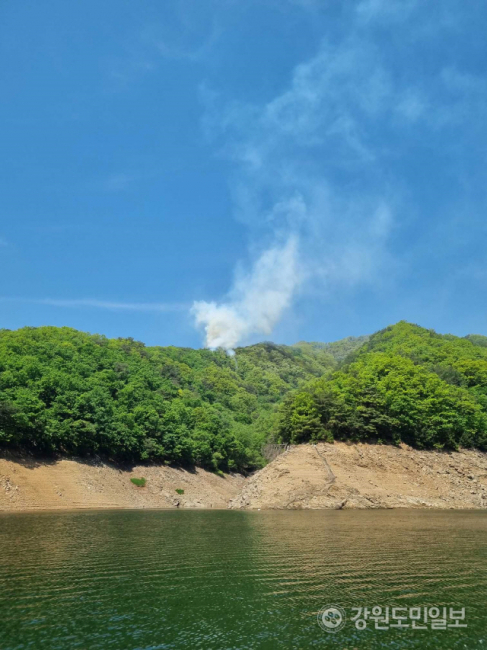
(338, 349)
(405, 383)
(67, 392)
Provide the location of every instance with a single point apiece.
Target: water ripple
(150, 580)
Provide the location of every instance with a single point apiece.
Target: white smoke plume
(317, 161)
(257, 301)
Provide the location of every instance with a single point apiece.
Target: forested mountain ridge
(405, 383)
(339, 350)
(67, 392)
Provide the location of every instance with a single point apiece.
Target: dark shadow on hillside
(29, 461)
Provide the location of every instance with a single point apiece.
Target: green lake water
(236, 580)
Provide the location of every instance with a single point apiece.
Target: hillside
(405, 384)
(339, 350)
(70, 393)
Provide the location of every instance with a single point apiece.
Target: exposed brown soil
(340, 475)
(68, 484)
(335, 475)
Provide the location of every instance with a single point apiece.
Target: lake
(240, 580)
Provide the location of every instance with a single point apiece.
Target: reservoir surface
(147, 580)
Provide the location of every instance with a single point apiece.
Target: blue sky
(277, 169)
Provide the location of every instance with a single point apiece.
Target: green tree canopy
(406, 384)
(66, 392)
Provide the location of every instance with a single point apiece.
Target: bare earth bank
(70, 484)
(342, 475)
(335, 475)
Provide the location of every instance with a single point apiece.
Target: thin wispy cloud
(123, 180)
(118, 182)
(188, 35)
(385, 11)
(100, 304)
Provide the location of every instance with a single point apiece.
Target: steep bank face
(69, 484)
(340, 475)
(335, 475)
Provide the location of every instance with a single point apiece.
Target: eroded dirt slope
(323, 476)
(66, 484)
(340, 475)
